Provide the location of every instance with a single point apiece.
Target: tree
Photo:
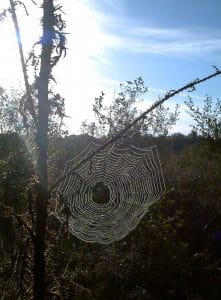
(38, 106)
(10, 118)
(36, 111)
(207, 119)
(111, 119)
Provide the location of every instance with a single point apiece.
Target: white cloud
(94, 36)
(167, 41)
(161, 33)
(127, 35)
(179, 47)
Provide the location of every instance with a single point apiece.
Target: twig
(22, 222)
(19, 42)
(166, 97)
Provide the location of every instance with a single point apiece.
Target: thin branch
(22, 222)
(166, 97)
(24, 70)
(35, 3)
(23, 5)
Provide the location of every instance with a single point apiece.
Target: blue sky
(167, 42)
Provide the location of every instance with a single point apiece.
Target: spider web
(105, 198)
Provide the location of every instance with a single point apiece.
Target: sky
(166, 42)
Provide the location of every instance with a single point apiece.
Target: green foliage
(15, 115)
(111, 119)
(172, 253)
(160, 121)
(16, 170)
(56, 115)
(207, 119)
(10, 118)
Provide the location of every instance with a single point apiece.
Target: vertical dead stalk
(21, 53)
(39, 288)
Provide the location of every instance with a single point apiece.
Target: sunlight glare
(88, 46)
(80, 75)
(11, 71)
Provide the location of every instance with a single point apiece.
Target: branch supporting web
(105, 198)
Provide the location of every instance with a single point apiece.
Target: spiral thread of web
(134, 179)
